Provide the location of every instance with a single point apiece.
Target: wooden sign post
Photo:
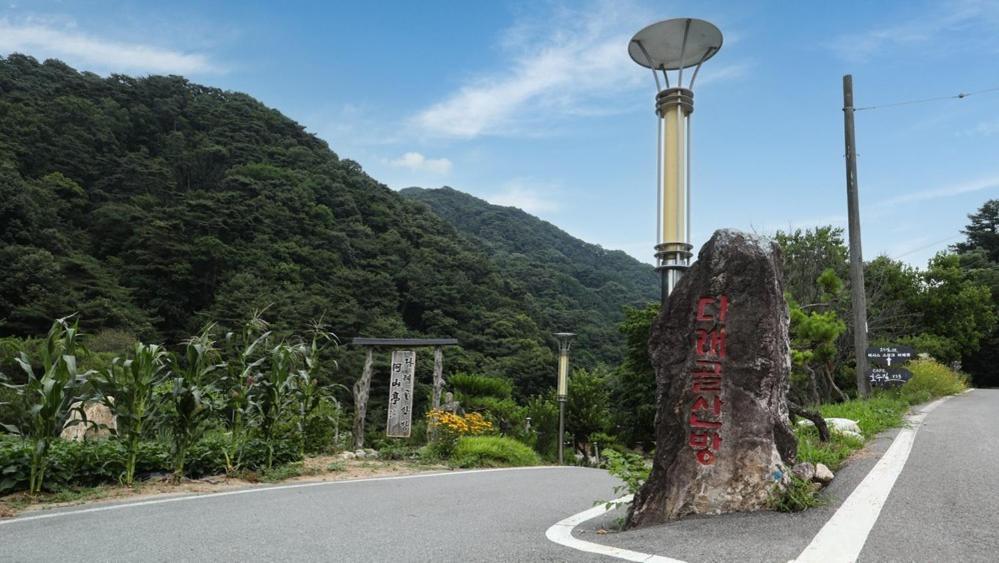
(400, 407)
(402, 425)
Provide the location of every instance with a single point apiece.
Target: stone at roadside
(368, 452)
(721, 353)
(360, 454)
(347, 455)
(100, 423)
(804, 471)
(840, 425)
(822, 474)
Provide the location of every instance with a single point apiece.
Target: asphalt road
(943, 507)
(945, 504)
(460, 516)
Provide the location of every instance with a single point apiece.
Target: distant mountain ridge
(555, 267)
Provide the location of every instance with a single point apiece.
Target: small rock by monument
(100, 422)
(722, 358)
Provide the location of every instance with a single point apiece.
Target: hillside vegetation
(576, 285)
(153, 205)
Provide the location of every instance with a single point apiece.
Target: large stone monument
(722, 359)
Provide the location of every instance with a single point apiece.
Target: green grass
(831, 453)
(881, 411)
(492, 451)
(799, 495)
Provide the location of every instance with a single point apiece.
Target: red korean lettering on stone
(720, 311)
(696, 422)
(700, 441)
(705, 457)
(707, 376)
(702, 405)
(710, 342)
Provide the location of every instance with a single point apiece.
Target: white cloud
(419, 163)
(953, 190)
(987, 128)
(527, 195)
(572, 63)
(958, 18)
(42, 40)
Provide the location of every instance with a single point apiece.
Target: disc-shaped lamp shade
(662, 46)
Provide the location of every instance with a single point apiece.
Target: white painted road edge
(561, 533)
(840, 540)
(844, 535)
(248, 491)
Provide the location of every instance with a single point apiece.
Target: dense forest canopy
(577, 285)
(151, 206)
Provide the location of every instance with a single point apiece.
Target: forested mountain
(580, 287)
(153, 205)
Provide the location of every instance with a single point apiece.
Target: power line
(959, 96)
(931, 245)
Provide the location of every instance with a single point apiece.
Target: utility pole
(858, 297)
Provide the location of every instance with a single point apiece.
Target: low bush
(95, 462)
(481, 385)
(930, 379)
(492, 451)
(447, 428)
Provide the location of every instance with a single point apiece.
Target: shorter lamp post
(562, 393)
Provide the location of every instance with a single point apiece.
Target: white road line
(561, 533)
(17, 520)
(844, 535)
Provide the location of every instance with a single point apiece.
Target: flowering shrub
(448, 427)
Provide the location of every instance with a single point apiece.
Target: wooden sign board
(890, 356)
(888, 377)
(400, 405)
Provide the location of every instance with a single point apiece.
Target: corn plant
(190, 397)
(307, 392)
(127, 389)
(50, 397)
(242, 368)
(275, 392)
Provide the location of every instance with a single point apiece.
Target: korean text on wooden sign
(709, 349)
(400, 405)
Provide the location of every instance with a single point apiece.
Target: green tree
(588, 407)
(633, 383)
(983, 231)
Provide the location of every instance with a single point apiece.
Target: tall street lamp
(562, 392)
(675, 44)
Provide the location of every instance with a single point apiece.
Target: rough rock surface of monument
(722, 358)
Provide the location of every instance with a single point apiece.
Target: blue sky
(536, 104)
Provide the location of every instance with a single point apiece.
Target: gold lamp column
(674, 45)
(562, 390)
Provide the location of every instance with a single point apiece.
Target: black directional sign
(890, 356)
(888, 377)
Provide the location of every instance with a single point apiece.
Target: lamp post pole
(562, 391)
(675, 44)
